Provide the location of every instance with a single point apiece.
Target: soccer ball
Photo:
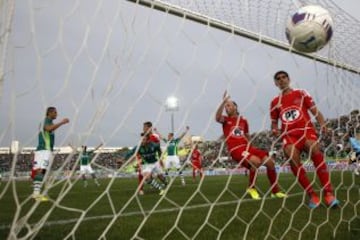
(339, 147)
(309, 29)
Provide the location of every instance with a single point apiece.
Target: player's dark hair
(49, 110)
(280, 72)
(148, 124)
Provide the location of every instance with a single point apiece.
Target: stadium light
(172, 105)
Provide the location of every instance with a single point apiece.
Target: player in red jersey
(196, 162)
(236, 133)
(298, 134)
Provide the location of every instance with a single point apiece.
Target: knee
(269, 162)
(294, 158)
(255, 162)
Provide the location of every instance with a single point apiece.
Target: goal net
(109, 66)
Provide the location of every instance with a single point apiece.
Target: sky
(109, 66)
(350, 6)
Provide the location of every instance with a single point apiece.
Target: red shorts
(243, 154)
(196, 166)
(299, 139)
(33, 173)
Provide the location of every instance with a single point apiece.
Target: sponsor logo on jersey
(291, 114)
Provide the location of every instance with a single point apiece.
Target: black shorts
(356, 159)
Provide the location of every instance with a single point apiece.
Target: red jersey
(154, 138)
(234, 129)
(196, 157)
(292, 110)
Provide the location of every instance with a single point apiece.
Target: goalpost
(235, 24)
(110, 65)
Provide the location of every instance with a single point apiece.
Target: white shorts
(86, 169)
(42, 159)
(153, 168)
(172, 161)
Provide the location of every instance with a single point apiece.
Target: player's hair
(280, 72)
(148, 124)
(237, 111)
(49, 110)
(84, 147)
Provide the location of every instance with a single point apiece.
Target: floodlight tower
(172, 105)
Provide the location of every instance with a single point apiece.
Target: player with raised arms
(85, 164)
(236, 133)
(172, 159)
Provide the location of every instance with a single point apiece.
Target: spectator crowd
(214, 153)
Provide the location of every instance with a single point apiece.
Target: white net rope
(266, 19)
(110, 65)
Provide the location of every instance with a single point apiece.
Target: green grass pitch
(217, 208)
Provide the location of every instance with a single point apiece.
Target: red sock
(322, 172)
(300, 174)
(194, 174)
(33, 173)
(140, 177)
(252, 178)
(271, 173)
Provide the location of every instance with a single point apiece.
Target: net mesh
(110, 65)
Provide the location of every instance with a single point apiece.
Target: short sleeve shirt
(46, 139)
(235, 130)
(292, 110)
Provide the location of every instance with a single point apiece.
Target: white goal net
(111, 65)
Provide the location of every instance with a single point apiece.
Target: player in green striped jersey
(85, 164)
(43, 154)
(172, 158)
(149, 153)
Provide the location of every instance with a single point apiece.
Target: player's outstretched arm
(185, 132)
(219, 111)
(53, 127)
